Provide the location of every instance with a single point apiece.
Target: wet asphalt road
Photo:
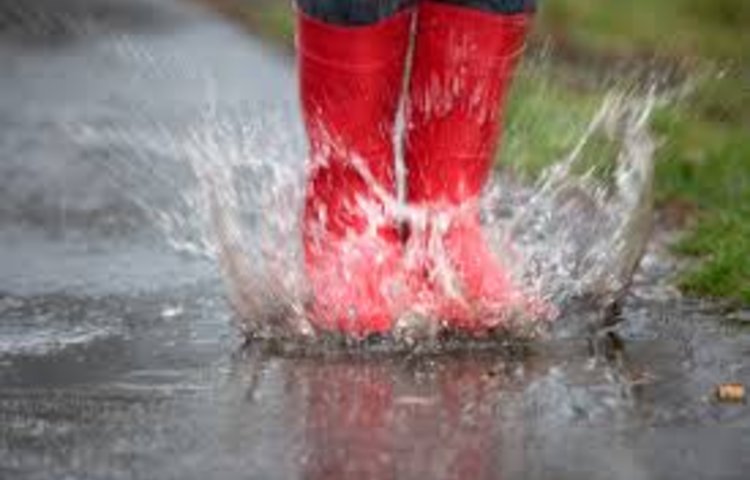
(118, 359)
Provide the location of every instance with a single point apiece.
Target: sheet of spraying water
(571, 239)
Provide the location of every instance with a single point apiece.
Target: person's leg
(501, 7)
(465, 55)
(350, 86)
(353, 12)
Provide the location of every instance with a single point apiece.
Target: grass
(706, 164)
(702, 165)
(270, 19)
(276, 21)
(544, 120)
(714, 29)
(703, 162)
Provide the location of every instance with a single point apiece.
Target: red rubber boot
(463, 63)
(350, 86)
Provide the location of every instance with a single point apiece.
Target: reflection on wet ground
(118, 358)
(161, 388)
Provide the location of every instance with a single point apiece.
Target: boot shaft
(350, 87)
(350, 81)
(462, 66)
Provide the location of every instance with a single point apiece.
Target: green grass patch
(271, 19)
(715, 29)
(277, 22)
(705, 162)
(722, 240)
(545, 119)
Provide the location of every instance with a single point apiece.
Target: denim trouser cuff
(365, 12)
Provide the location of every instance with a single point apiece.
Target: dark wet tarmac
(117, 354)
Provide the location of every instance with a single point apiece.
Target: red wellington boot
(350, 82)
(463, 63)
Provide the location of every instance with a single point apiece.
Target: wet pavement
(117, 354)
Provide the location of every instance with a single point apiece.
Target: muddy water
(117, 354)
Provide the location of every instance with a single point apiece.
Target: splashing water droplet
(572, 238)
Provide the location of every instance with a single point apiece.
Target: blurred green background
(697, 51)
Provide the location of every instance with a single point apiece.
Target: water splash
(572, 239)
(580, 231)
